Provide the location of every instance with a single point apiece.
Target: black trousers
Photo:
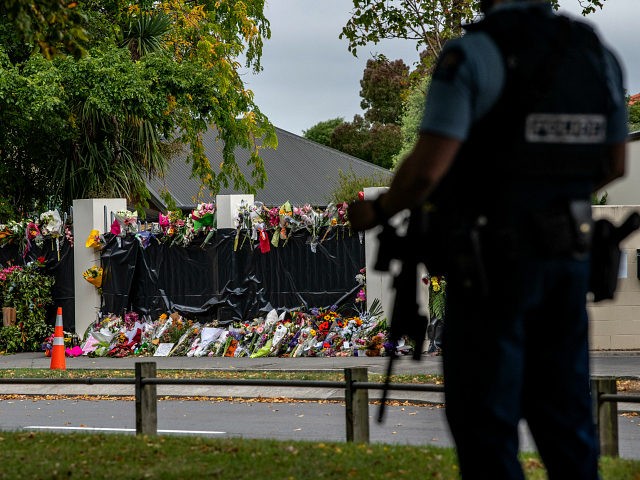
(521, 352)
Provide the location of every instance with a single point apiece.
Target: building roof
(299, 170)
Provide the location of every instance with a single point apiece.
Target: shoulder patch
(448, 64)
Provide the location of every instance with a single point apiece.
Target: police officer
(525, 118)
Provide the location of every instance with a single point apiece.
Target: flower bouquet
(93, 275)
(203, 216)
(125, 222)
(94, 240)
(51, 223)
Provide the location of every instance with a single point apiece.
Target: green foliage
(429, 23)
(155, 75)
(10, 339)
(634, 117)
(143, 34)
(376, 143)
(169, 201)
(385, 140)
(437, 297)
(28, 290)
(410, 121)
(321, 132)
(351, 137)
(54, 27)
(384, 85)
(349, 184)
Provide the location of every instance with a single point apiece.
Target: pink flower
(115, 227)
(73, 352)
(163, 220)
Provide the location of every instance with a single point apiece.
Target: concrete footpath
(624, 364)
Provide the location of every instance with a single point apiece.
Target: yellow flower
(93, 240)
(312, 332)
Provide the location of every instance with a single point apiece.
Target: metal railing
(356, 397)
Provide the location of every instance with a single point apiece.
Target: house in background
(626, 190)
(299, 171)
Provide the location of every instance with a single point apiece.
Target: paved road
(412, 425)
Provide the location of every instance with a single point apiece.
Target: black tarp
(216, 281)
(62, 271)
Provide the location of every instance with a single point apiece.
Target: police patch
(565, 128)
(448, 64)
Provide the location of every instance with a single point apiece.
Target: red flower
(42, 260)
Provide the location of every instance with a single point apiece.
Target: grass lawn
(98, 456)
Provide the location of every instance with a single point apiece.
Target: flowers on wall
(36, 230)
(275, 225)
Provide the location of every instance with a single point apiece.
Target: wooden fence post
(356, 405)
(605, 415)
(146, 400)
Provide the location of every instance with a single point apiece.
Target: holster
(566, 228)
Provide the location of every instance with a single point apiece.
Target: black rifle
(406, 320)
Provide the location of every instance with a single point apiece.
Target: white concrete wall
(615, 324)
(226, 208)
(89, 214)
(625, 191)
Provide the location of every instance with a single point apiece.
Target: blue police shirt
(454, 102)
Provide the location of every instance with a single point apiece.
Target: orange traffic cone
(58, 361)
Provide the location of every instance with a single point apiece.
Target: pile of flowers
(175, 229)
(319, 332)
(36, 230)
(273, 226)
(270, 226)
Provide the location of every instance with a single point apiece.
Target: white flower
(51, 223)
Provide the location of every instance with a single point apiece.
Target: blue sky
(309, 75)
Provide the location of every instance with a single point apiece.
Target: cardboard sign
(163, 349)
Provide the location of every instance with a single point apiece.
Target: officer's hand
(362, 215)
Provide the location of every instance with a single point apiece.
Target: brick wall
(615, 324)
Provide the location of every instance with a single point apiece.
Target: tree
(634, 116)
(321, 132)
(430, 23)
(384, 143)
(410, 121)
(103, 123)
(373, 142)
(384, 85)
(352, 138)
(53, 26)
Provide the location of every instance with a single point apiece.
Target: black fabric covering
(62, 272)
(214, 281)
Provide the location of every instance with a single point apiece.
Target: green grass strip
(114, 456)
